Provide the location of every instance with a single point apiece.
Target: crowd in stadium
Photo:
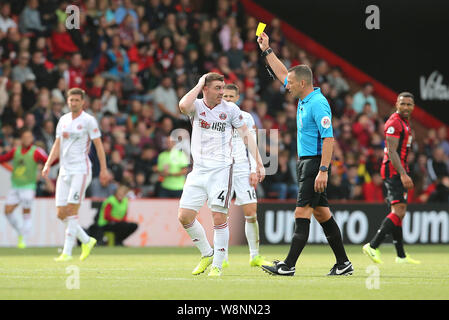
(135, 59)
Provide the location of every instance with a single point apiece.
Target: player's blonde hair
(76, 91)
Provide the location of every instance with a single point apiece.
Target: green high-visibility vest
(118, 209)
(24, 173)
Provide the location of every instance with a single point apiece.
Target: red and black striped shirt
(397, 127)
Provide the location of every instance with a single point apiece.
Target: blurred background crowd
(137, 58)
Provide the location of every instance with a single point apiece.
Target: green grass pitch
(165, 274)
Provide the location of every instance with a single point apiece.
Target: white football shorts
(213, 185)
(24, 197)
(244, 192)
(72, 188)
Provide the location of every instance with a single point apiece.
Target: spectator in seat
(281, 184)
(21, 72)
(76, 72)
(338, 188)
(437, 164)
(224, 69)
(372, 191)
(13, 111)
(118, 59)
(166, 100)
(29, 92)
(6, 21)
(336, 80)
(142, 189)
(363, 96)
(62, 42)
(47, 135)
(235, 54)
(441, 193)
(442, 137)
(40, 70)
(320, 71)
(147, 163)
(362, 129)
(30, 19)
(113, 216)
(162, 134)
(102, 188)
(116, 165)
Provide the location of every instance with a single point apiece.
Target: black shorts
(396, 193)
(306, 170)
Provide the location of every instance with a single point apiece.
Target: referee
(315, 144)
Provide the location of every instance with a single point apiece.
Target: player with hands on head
(213, 122)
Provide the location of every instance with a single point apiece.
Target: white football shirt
(75, 136)
(212, 131)
(240, 152)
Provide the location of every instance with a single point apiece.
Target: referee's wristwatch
(324, 168)
(266, 52)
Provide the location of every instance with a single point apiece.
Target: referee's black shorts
(307, 169)
(396, 193)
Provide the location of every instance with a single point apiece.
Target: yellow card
(260, 28)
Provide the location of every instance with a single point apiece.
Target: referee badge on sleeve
(325, 122)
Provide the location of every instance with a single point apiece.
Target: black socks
(333, 236)
(299, 240)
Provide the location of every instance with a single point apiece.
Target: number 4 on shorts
(221, 196)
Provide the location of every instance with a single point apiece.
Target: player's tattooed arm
(392, 146)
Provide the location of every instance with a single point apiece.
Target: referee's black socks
(299, 240)
(333, 235)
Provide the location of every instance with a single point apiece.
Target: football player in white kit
(245, 181)
(74, 133)
(213, 121)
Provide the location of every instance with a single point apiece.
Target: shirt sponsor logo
(204, 124)
(219, 126)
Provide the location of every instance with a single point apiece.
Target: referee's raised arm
(275, 64)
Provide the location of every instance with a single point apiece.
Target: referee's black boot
(344, 269)
(279, 268)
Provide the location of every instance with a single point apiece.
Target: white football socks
(221, 243)
(15, 222)
(27, 225)
(196, 232)
(81, 234)
(252, 236)
(72, 232)
(71, 223)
